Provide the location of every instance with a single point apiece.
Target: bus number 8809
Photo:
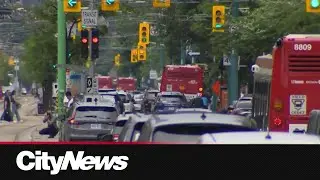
(302, 47)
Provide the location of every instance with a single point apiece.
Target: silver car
(89, 121)
(258, 138)
(188, 126)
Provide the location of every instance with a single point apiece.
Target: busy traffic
(176, 72)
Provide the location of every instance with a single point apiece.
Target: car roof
(193, 110)
(259, 138)
(196, 118)
(170, 93)
(121, 93)
(153, 91)
(93, 104)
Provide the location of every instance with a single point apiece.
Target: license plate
(171, 108)
(297, 128)
(95, 126)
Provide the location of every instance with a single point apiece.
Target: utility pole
(182, 53)
(61, 56)
(233, 91)
(92, 64)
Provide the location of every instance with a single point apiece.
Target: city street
(28, 130)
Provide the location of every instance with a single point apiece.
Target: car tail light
(115, 137)
(72, 121)
(277, 121)
(278, 105)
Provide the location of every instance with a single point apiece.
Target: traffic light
(95, 44)
(110, 5)
(142, 52)
(134, 57)
(218, 18)
(11, 61)
(161, 3)
(72, 6)
(313, 6)
(144, 33)
(117, 60)
(84, 43)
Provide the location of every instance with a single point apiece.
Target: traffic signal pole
(233, 69)
(91, 71)
(61, 56)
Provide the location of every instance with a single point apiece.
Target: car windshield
(171, 98)
(88, 112)
(119, 126)
(151, 95)
(189, 133)
(244, 105)
(123, 97)
(138, 96)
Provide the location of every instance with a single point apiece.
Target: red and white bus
(286, 84)
(127, 83)
(187, 79)
(105, 82)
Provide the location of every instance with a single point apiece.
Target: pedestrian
(15, 106)
(69, 99)
(51, 129)
(6, 115)
(205, 101)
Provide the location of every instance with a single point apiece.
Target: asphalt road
(28, 130)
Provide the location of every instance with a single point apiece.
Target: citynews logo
(42, 161)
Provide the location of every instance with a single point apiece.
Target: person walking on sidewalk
(6, 115)
(15, 106)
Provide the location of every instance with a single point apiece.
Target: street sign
(89, 18)
(226, 61)
(89, 85)
(55, 90)
(193, 53)
(95, 85)
(153, 74)
(16, 68)
(72, 6)
(92, 85)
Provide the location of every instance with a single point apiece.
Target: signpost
(153, 74)
(89, 18)
(92, 85)
(89, 85)
(226, 61)
(193, 53)
(72, 6)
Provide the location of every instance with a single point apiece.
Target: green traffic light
(69, 54)
(315, 3)
(54, 66)
(144, 39)
(218, 26)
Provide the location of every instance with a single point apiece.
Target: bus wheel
(314, 122)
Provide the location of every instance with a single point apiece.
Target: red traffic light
(95, 40)
(84, 40)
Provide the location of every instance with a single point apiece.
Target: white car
(24, 91)
(258, 138)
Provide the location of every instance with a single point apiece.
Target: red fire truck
(187, 79)
(127, 83)
(286, 84)
(105, 82)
